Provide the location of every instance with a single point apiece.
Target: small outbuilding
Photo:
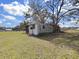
(35, 27)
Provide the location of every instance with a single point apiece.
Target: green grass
(18, 45)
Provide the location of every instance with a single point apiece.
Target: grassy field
(18, 45)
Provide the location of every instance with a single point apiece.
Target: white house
(36, 27)
(8, 29)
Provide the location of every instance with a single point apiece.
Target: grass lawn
(18, 45)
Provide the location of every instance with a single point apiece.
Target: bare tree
(74, 2)
(37, 9)
(57, 7)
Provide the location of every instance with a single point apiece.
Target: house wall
(34, 31)
(39, 28)
(46, 29)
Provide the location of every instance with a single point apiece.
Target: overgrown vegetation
(20, 27)
(57, 10)
(18, 45)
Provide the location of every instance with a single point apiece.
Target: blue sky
(11, 12)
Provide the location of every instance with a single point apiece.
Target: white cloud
(74, 21)
(1, 24)
(63, 10)
(15, 8)
(8, 23)
(4, 20)
(46, 0)
(8, 17)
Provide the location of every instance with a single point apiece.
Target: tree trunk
(56, 28)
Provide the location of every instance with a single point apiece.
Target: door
(27, 29)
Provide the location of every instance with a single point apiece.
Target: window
(43, 27)
(33, 26)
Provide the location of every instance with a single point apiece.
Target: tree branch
(58, 12)
(69, 11)
(50, 7)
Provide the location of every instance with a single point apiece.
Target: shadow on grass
(66, 39)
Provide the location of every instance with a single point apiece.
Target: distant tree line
(2, 28)
(20, 27)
